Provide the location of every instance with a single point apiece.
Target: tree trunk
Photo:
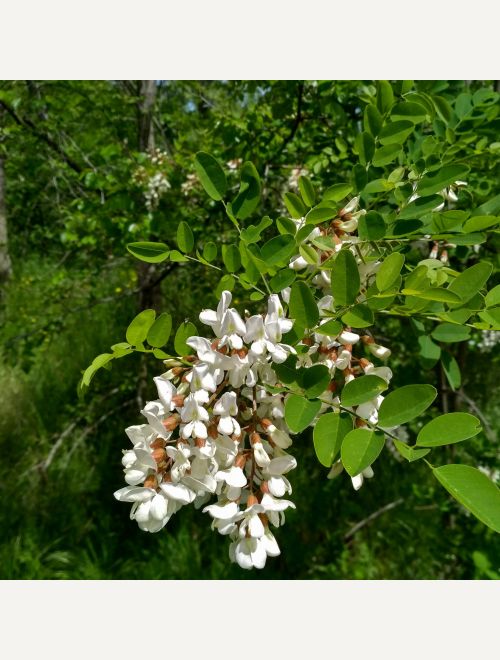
(5, 263)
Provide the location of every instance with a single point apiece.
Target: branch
(371, 517)
(27, 123)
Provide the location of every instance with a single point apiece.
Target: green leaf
(231, 258)
(389, 271)
(248, 197)
(184, 331)
(429, 352)
(396, 131)
(300, 412)
(371, 227)
(448, 429)
(211, 175)
(295, 205)
(282, 280)
(337, 192)
(493, 297)
(372, 120)
(331, 328)
(177, 256)
(315, 380)
(420, 207)
(307, 191)
(362, 389)
(226, 283)
(450, 333)
(97, 363)
(408, 110)
(185, 238)
(278, 250)
(480, 222)
(320, 213)
(359, 316)
(410, 453)
(138, 330)
(378, 185)
(209, 251)
(470, 281)
(473, 490)
(160, 331)
(252, 233)
(434, 293)
(385, 155)
(365, 146)
(360, 449)
(309, 254)
(434, 182)
(152, 253)
(329, 432)
(451, 370)
(286, 226)
(385, 96)
(405, 403)
(303, 308)
(345, 279)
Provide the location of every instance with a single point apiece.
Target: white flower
(227, 408)
(194, 417)
(357, 480)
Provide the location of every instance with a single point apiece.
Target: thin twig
(371, 517)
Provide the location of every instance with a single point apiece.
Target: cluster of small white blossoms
(215, 430)
(338, 352)
(152, 179)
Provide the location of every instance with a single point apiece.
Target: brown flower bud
(171, 422)
(150, 481)
(366, 339)
(264, 487)
(240, 461)
(159, 443)
(252, 500)
(200, 442)
(159, 455)
(255, 437)
(178, 400)
(360, 423)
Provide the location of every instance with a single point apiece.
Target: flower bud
(252, 500)
(159, 455)
(171, 422)
(178, 400)
(150, 481)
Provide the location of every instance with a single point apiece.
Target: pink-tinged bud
(150, 481)
(252, 500)
(159, 443)
(264, 487)
(159, 455)
(178, 400)
(366, 339)
(190, 358)
(307, 341)
(200, 442)
(332, 387)
(215, 344)
(240, 461)
(172, 422)
(177, 371)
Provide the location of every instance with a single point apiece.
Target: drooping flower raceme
(217, 437)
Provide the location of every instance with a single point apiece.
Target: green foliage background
(71, 153)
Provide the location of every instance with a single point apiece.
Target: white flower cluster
(152, 179)
(218, 432)
(218, 427)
